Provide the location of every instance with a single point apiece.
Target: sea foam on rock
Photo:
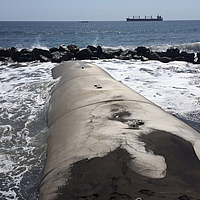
(72, 52)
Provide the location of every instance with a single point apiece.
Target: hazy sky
(97, 10)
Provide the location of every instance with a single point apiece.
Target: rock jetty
(72, 52)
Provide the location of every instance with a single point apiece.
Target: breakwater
(105, 141)
(72, 52)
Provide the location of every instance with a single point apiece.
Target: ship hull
(135, 20)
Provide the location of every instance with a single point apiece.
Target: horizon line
(90, 20)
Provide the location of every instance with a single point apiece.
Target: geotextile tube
(106, 141)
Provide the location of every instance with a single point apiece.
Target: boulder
(94, 58)
(127, 52)
(173, 53)
(4, 58)
(84, 54)
(5, 52)
(56, 57)
(136, 57)
(93, 50)
(23, 51)
(142, 51)
(188, 55)
(53, 49)
(105, 55)
(73, 48)
(161, 53)
(144, 58)
(165, 59)
(125, 57)
(13, 49)
(180, 58)
(99, 51)
(44, 59)
(118, 52)
(153, 56)
(66, 56)
(114, 52)
(26, 56)
(15, 54)
(63, 48)
(37, 52)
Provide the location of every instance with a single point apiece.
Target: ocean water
(184, 34)
(25, 88)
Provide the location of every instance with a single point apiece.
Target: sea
(25, 88)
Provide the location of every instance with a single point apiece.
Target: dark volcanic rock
(15, 54)
(99, 51)
(114, 52)
(136, 57)
(153, 56)
(126, 57)
(24, 51)
(189, 56)
(161, 53)
(73, 48)
(63, 48)
(84, 54)
(53, 49)
(127, 52)
(4, 58)
(106, 55)
(65, 53)
(26, 57)
(44, 59)
(142, 51)
(66, 56)
(37, 52)
(143, 58)
(5, 52)
(173, 53)
(56, 57)
(165, 59)
(93, 49)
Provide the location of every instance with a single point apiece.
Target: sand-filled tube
(106, 141)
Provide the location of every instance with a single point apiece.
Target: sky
(97, 10)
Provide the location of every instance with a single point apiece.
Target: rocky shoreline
(72, 52)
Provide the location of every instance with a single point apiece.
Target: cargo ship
(146, 18)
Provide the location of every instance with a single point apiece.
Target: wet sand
(110, 178)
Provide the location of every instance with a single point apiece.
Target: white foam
(174, 86)
(24, 90)
(6, 164)
(195, 47)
